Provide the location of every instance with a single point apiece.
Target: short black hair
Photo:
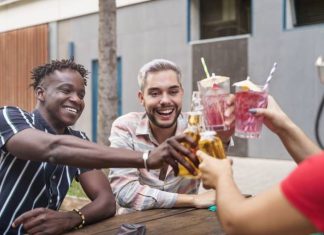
(39, 72)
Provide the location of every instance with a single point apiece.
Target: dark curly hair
(39, 72)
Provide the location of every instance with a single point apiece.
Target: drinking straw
(205, 67)
(270, 76)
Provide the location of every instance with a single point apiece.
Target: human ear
(39, 91)
(140, 97)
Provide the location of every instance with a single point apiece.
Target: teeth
(165, 112)
(71, 110)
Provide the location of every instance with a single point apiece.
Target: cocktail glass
(246, 124)
(214, 93)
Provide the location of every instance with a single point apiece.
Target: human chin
(164, 122)
(69, 119)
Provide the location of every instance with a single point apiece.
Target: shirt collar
(39, 120)
(143, 127)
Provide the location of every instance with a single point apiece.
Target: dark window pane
(309, 12)
(220, 18)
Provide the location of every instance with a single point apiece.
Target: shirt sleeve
(304, 189)
(125, 183)
(12, 121)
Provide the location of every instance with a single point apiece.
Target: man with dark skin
(41, 154)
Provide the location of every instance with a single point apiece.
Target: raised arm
(267, 213)
(62, 149)
(294, 139)
(27, 143)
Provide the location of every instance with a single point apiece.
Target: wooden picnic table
(188, 221)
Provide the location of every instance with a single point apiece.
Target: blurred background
(237, 38)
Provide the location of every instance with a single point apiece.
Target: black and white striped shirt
(25, 185)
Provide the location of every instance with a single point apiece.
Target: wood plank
(111, 225)
(21, 50)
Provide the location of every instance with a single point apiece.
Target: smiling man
(41, 155)
(161, 95)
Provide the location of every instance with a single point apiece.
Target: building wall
(295, 85)
(83, 32)
(158, 29)
(143, 33)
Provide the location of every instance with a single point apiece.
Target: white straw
(270, 75)
(205, 67)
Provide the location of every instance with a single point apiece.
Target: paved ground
(254, 175)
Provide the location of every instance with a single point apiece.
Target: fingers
(175, 143)
(27, 215)
(202, 156)
(230, 100)
(183, 138)
(163, 171)
(181, 160)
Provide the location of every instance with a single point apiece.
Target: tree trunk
(107, 109)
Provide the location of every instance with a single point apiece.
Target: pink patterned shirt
(137, 189)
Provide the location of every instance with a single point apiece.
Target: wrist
(286, 128)
(78, 219)
(145, 157)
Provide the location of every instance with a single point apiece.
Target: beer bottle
(193, 132)
(211, 144)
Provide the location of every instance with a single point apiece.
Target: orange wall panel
(20, 51)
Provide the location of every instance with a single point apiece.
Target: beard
(158, 124)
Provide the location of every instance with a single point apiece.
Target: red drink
(214, 108)
(214, 92)
(246, 124)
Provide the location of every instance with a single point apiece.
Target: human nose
(75, 97)
(165, 98)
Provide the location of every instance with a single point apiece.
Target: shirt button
(50, 201)
(54, 177)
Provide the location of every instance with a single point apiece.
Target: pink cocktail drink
(246, 124)
(214, 108)
(214, 93)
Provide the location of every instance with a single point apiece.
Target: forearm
(142, 197)
(91, 155)
(96, 211)
(202, 200)
(184, 200)
(69, 150)
(297, 142)
(229, 199)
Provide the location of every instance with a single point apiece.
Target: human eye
(81, 95)
(154, 93)
(174, 92)
(65, 90)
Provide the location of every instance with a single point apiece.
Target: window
(219, 18)
(304, 12)
(95, 79)
(309, 12)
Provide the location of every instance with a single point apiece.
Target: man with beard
(41, 154)
(161, 95)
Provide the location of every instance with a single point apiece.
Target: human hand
(229, 120)
(172, 152)
(205, 199)
(45, 221)
(273, 116)
(212, 169)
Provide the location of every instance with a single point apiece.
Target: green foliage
(76, 190)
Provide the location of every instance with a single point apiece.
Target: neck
(161, 134)
(46, 117)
